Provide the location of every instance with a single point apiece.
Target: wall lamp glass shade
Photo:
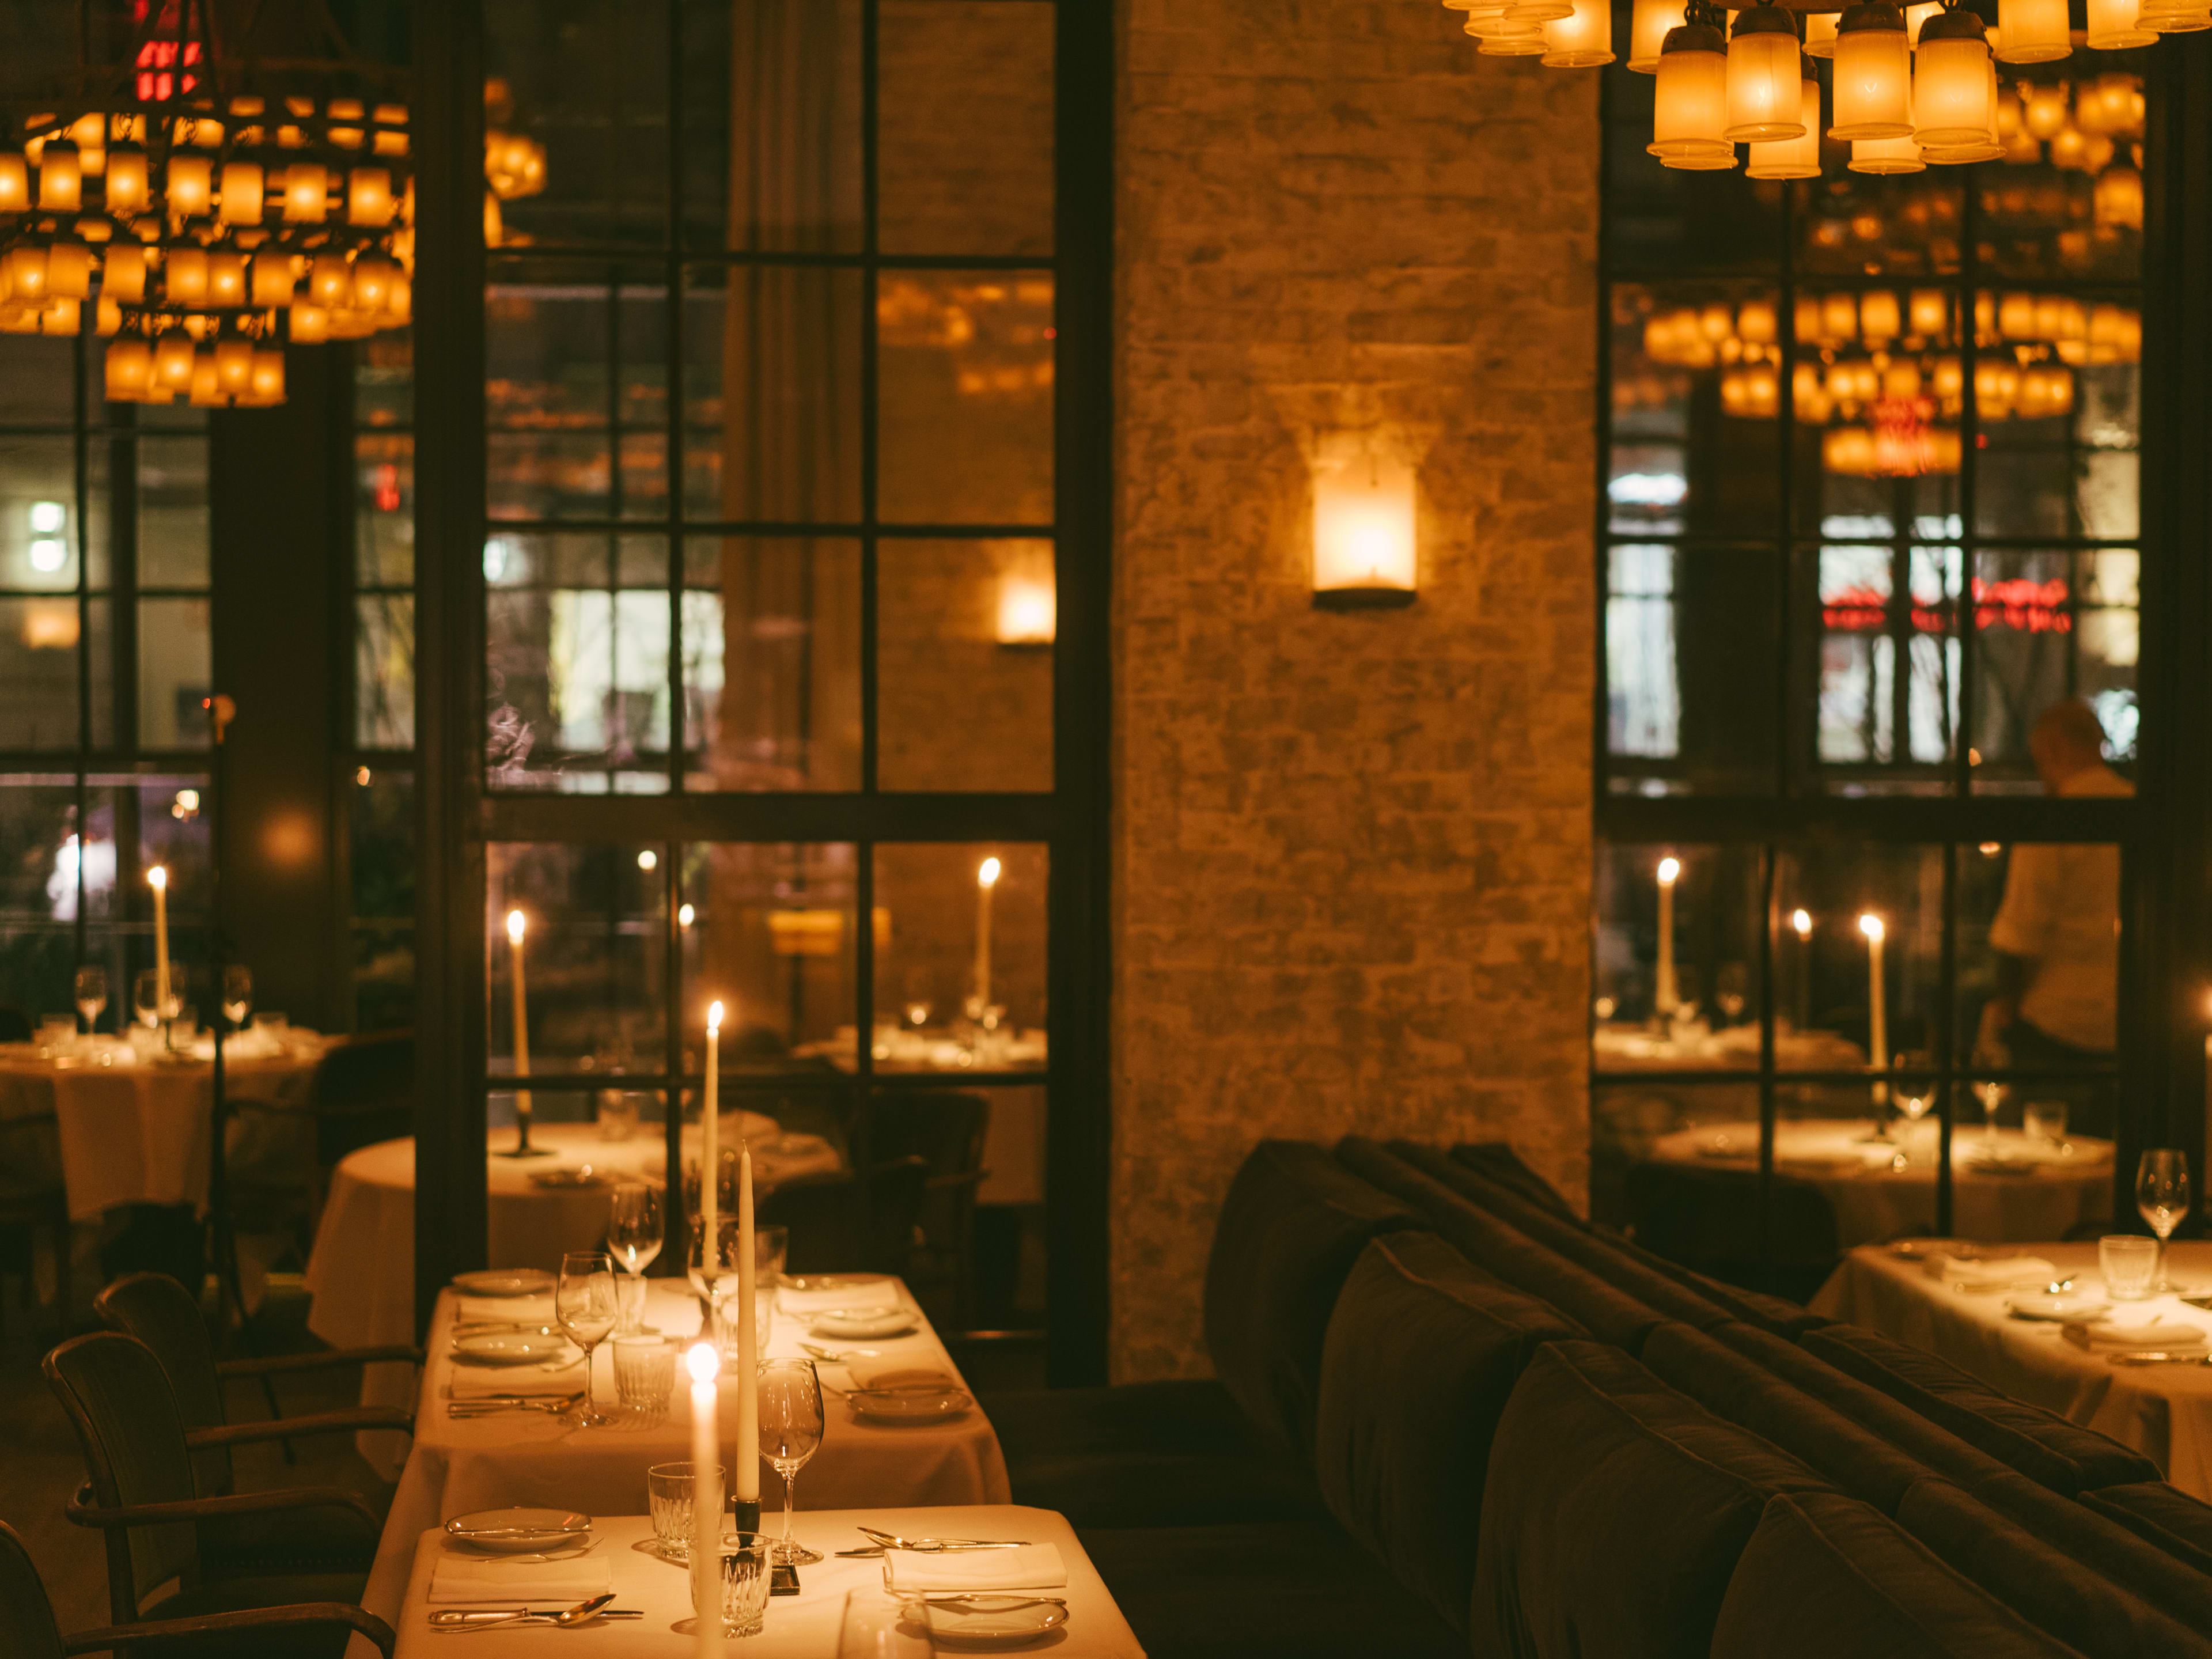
(1798, 157)
(1689, 113)
(1873, 75)
(1029, 608)
(1648, 28)
(1765, 75)
(1363, 529)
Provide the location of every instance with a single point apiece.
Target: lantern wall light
(1364, 512)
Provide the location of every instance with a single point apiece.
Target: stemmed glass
(91, 994)
(1912, 1088)
(146, 997)
(584, 1303)
(790, 1433)
(634, 1234)
(237, 995)
(2162, 1196)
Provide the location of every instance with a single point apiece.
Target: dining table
(1968, 1317)
(121, 1121)
(806, 1626)
(2005, 1183)
(531, 1456)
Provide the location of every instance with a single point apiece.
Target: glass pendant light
(1886, 156)
(123, 272)
(1689, 116)
(1820, 35)
(1765, 77)
(14, 182)
(1539, 12)
(1648, 29)
(2119, 199)
(2116, 25)
(1916, 17)
(1583, 40)
(1518, 38)
(1987, 148)
(2031, 32)
(130, 367)
(126, 178)
(61, 178)
(241, 193)
(1798, 157)
(1873, 75)
(2175, 17)
(1952, 85)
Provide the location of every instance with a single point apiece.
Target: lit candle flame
(515, 924)
(1670, 870)
(703, 1361)
(1870, 925)
(713, 1016)
(684, 916)
(1801, 922)
(986, 874)
(157, 876)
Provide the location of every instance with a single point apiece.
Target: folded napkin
(2008, 1273)
(486, 1381)
(1032, 1566)
(488, 1580)
(882, 1296)
(504, 1310)
(2179, 1335)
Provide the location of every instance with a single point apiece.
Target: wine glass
(1912, 1089)
(2162, 1196)
(1732, 990)
(790, 1433)
(146, 997)
(237, 995)
(91, 994)
(584, 1303)
(634, 1234)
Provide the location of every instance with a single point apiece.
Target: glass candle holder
(747, 1566)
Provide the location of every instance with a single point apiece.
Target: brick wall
(1351, 851)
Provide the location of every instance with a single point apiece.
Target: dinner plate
(992, 1622)
(862, 1322)
(519, 1531)
(2065, 1310)
(909, 1378)
(504, 1281)
(909, 1404)
(512, 1347)
(809, 1282)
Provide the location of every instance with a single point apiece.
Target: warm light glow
(1648, 31)
(158, 876)
(1953, 95)
(704, 1361)
(1582, 39)
(126, 180)
(1363, 525)
(648, 860)
(1764, 99)
(1819, 33)
(15, 183)
(241, 193)
(2031, 31)
(517, 924)
(684, 915)
(986, 874)
(1870, 925)
(1873, 75)
(123, 273)
(1689, 112)
(2116, 25)
(2119, 197)
(1801, 923)
(1914, 16)
(1029, 608)
(189, 184)
(307, 193)
(1670, 871)
(714, 1017)
(61, 178)
(368, 197)
(1798, 157)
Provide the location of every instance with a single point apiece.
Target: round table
(2005, 1183)
(362, 1270)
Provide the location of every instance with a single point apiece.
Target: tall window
(1869, 554)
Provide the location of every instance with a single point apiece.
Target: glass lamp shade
(241, 193)
(206, 390)
(1820, 35)
(126, 178)
(267, 381)
(307, 323)
(15, 183)
(1988, 147)
(2116, 25)
(61, 178)
(1521, 12)
(234, 365)
(1648, 30)
(123, 272)
(1953, 91)
(2070, 148)
(2045, 111)
(368, 197)
(1689, 114)
(69, 269)
(2031, 31)
(172, 362)
(226, 280)
(191, 183)
(272, 279)
(1884, 156)
(1881, 319)
(330, 280)
(307, 193)
(1873, 75)
(185, 275)
(2119, 199)
(1363, 527)
(1917, 16)
(1798, 157)
(2174, 16)
(1764, 78)
(1583, 40)
(130, 369)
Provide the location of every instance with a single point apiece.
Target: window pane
(2062, 206)
(769, 934)
(594, 949)
(772, 664)
(384, 546)
(963, 665)
(1856, 224)
(1824, 958)
(2055, 629)
(172, 512)
(1669, 1160)
(1696, 394)
(966, 424)
(381, 861)
(2055, 909)
(1691, 665)
(383, 671)
(771, 157)
(175, 673)
(578, 685)
(39, 897)
(964, 126)
(39, 527)
(1886, 658)
(960, 959)
(1658, 218)
(772, 406)
(1677, 961)
(39, 673)
(2056, 391)
(588, 80)
(37, 381)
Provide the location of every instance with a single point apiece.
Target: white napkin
(2180, 1335)
(1031, 1566)
(484, 1381)
(488, 1580)
(2007, 1274)
(504, 1310)
(882, 1296)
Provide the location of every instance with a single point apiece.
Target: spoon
(582, 1613)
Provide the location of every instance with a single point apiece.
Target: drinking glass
(645, 1376)
(617, 1115)
(91, 994)
(2045, 1120)
(790, 1433)
(722, 1282)
(237, 995)
(748, 1572)
(1912, 1089)
(2162, 1196)
(584, 1303)
(145, 997)
(668, 1500)
(635, 1232)
(2128, 1263)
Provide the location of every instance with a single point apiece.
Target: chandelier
(1913, 87)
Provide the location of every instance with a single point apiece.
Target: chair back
(363, 1093)
(160, 1313)
(945, 1127)
(838, 1223)
(27, 1616)
(118, 1401)
(15, 1024)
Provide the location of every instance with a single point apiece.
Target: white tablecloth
(802, 1626)
(2165, 1412)
(129, 1130)
(1874, 1201)
(526, 1457)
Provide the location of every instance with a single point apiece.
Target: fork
(839, 1356)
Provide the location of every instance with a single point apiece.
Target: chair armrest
(204, 1508)
(347, 1418)
(276, 1365)
(174, 1630)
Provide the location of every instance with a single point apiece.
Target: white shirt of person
(2061, 912)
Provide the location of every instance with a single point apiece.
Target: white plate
(809, 1282)
(511, 1348)
(993, 1620)
(519, 1531)
(909, 1404)
(862, 1322)
(2065, 1310)
(504, 1281)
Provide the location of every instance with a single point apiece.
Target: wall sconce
(1028, 607)
(1362, 552)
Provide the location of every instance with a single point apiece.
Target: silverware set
(455, 1619)
(839, 1356)
(879, 1541)
(492, 1404)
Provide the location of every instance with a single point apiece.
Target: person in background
(2056, 936)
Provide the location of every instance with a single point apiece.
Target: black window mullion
(870, 495)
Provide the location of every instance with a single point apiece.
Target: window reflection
(963, 665)
(593, 950)
(966, 400)
(1677, 960)
(960, 962)
(768, 930)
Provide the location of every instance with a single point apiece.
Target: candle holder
(522, 1148)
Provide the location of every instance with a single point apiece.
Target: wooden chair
(140, 1496)
(947, 1129)
(27, 1630)
(362, 1091)
(157, 1311)
(839, 1223)
(32, 1203)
